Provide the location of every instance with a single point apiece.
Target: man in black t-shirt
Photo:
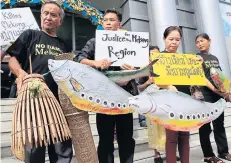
(107, 123)
(41, 46)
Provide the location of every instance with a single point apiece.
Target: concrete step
(138, 131)
(6, 120)
(7, 125)
(7, 101)
(140, 134)
(7, 105)
(146, 156)
(6, 112)
(141, 141)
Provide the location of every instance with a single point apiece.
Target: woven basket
(19, 154)
(79, 125)
(37, 120)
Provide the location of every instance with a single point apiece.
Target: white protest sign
(13, 23)
(123, 47)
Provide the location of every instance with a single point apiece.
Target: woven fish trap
(79, 125)
(38, 119)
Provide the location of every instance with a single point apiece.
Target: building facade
(83, 17)
(153, 16)
(193, 17)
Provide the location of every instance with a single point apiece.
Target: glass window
(84, 31)
(227, 1)
(65, 31)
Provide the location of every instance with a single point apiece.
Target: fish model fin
(152, 74)
(150, 66)
(150, 89)
(221, 104)
(76, 85)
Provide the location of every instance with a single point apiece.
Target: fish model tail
(150, 67)
(221, 103)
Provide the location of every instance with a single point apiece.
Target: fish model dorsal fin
(150, 89)
(150, 67)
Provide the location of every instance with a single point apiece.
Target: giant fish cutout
(88, 89)
(175, 110)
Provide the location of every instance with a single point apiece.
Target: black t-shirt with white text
(41, 47)
(209, 62)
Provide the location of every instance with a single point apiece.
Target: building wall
(187, 22)
(226, 16)
(135, 15)
(104, 4)
(135, 18)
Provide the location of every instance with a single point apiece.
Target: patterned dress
(156, 136)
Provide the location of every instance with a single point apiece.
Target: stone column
(208, 17)
(162, 14)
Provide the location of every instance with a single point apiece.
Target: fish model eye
(188, 117)
(208, 114)
(82, 95)
(112, 104)
(97, 101)
(181, 116)
(171, 115)
(198, 116)
(216, 110)
(90, 98)
(119, 105)
(124, 105)
(203, 115)
(105, 103)
(211, 112)
(193, 117)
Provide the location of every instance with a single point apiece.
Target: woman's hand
(127, 67)
(200, 59)
(172, 88)
(225, 95)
